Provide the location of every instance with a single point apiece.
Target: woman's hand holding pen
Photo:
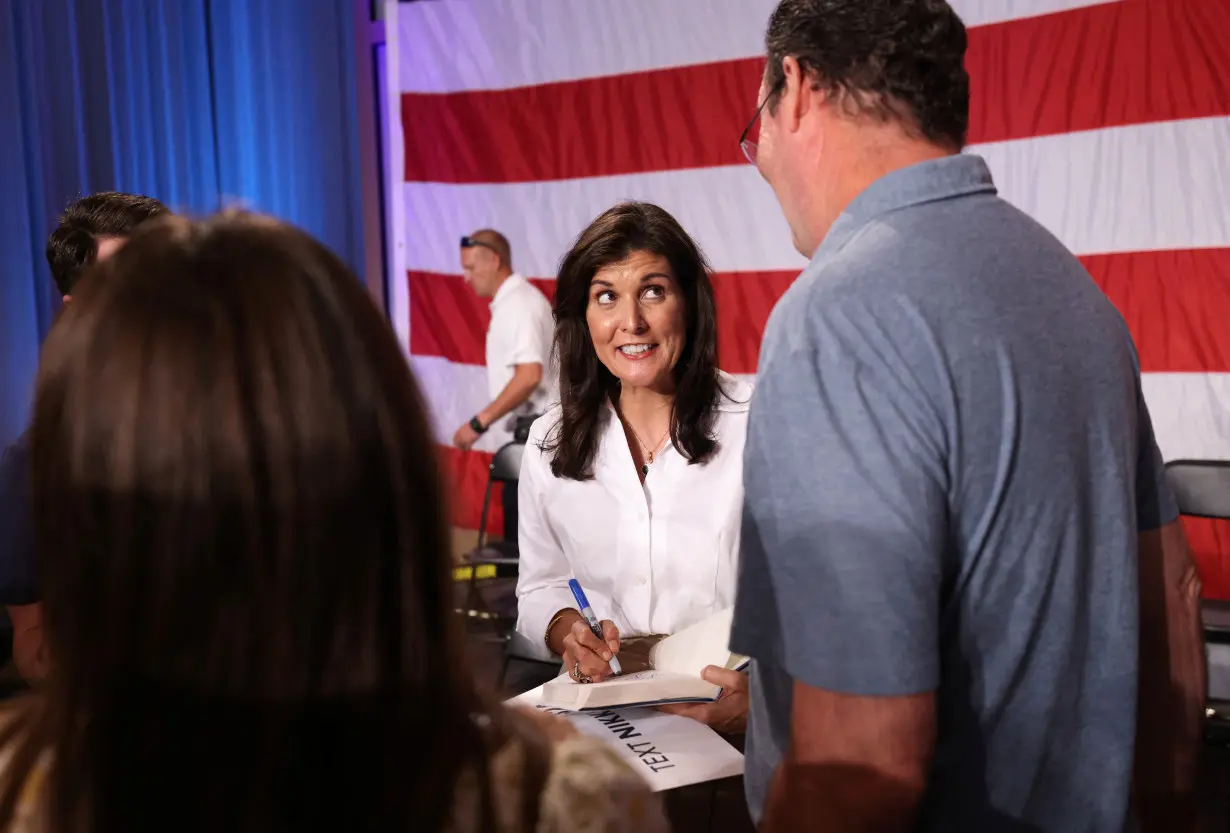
(589, 646)
(584, 652)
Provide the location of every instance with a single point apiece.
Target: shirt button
(640, 517)
(641, 580)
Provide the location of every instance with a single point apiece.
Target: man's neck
(500, 280)
(842, 176)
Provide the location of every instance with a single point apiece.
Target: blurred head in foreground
(244, 550)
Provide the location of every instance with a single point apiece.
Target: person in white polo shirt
(520, 379)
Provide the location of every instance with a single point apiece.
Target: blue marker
(594, 624)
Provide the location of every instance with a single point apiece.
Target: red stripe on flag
(1098, 66)
(1122, 63)
(465, 477)
(683, 117)
(447, 319)
(744, 301)
(1176, 304)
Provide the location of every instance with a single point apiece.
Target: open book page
(634, 652)
(737, 662)
(641, 688)
(691, 649)
(667, 750)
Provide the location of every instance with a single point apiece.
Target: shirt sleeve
(18, 567)
(530, 340)
(845, 510)
(543, 571)
(1155, 502)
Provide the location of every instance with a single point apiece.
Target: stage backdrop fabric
(200, 103)
(1109, 122)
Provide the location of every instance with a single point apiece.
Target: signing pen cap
(578, 594)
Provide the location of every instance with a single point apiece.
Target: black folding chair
(505, 469)
(490, 569)
(518, 649)
(1202, 490)
(1201, 487)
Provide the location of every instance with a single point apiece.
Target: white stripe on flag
(730, 211)
(481, 44)
(1191, 414)
(454, 394)
(1137, 188)
(1100, 191)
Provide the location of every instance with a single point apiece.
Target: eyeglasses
(750, 147)
(469, 243)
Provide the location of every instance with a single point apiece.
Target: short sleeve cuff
(526, 357)
(1155, 514)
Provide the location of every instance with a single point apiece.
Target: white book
(669, 672)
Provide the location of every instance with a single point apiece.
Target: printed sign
(667, 750)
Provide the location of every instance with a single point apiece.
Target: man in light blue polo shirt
(956, 524)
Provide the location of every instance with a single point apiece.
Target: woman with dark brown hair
(247, 571)
(634, 483)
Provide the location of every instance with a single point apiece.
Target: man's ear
(797, 94)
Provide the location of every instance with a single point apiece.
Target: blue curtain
(200, 103)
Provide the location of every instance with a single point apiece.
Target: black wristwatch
(478, 427)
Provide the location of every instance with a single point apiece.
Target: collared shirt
(18, 568)
(948, 461)
(520, 332)
(653, 557)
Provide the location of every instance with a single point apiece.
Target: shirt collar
(958, 175)
(510, 283)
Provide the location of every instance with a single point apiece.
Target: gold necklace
(645, 448)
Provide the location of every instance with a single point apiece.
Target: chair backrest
(506, 464)
(1201, 487)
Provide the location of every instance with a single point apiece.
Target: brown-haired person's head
(634, 307)
(244, 549)
(854, 89)
(91, 229)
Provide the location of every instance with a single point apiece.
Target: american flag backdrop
(1109, 122)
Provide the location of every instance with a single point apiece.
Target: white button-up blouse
(653, 557)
